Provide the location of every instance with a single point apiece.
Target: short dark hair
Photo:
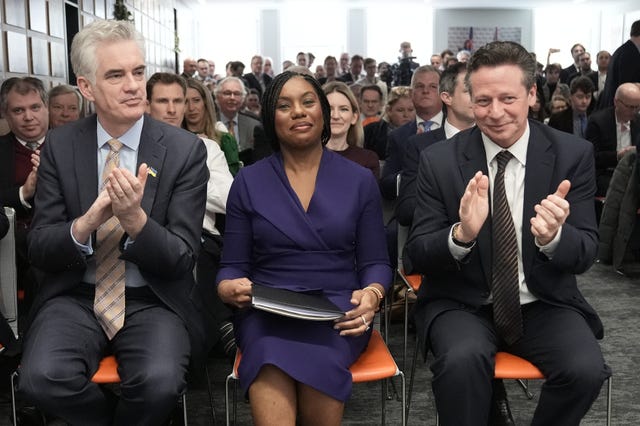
(581, 83)
(635, 29)
(503, 53)
(165, 78)
(369, 61)
(357, 58)
(22, 85)
(270, 101)
(372, 87)
(449, 77)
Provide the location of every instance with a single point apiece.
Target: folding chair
(375, 363)
(509, 366)
(107, 374)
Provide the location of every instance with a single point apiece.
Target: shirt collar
(518, 149)
(24, 143)
(436, 120)
(130, 139)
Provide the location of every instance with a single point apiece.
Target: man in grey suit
(148, 180)
(493, 236)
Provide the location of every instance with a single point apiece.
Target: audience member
(146, 316)
(257, 79)
(398, 111)
(344, 64)
(446, 54)
(267, 68)
(23, 102)
(530, 304)
(429, 116)
(347, 136)
(200, 118)
(463, 56)
(355, 70)
(370, 78)
(247, 130)
(286, 65)
(166, 97)
(436, 61)
(624, 66)
(614, 131)
(302, 59)
(189, 67)
(65, 105)
(299, 184)
(574, 119)
(402, 70)
(330, 66)
(252, 103)
(384, 72)
(236, 69)
(552, 76)
(320, 72)
(568, 73)
(202, 71)
(538, 111)
(311, 57)
(599, 77)
(212, 71)
(370, 104)
(585, 63)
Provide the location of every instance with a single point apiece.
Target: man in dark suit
(567, 74)
(24, 105)
(574, 119)
(624, 67)
(355, 70)
(148, 180)
(503, 278)
(256, 79)
(424, 94)
(614, 131)
(252, 145)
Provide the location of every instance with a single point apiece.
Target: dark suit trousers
(557, 340)
(65, 344)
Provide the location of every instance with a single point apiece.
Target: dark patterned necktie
(506, 293)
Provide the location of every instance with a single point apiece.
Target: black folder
(313, 307)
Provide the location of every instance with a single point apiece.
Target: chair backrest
(8, 274)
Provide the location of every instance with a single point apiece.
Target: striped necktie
(109, 301)
(507, 315)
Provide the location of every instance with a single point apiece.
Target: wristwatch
(457, 242)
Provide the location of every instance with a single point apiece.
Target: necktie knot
(503, 158)
(32, 145)
(115, 145)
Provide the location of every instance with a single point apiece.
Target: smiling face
(501, 102)
(230, 98)
(119, 92)
(342, 114)
(298, 116)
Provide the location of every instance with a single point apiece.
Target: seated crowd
(142, 227)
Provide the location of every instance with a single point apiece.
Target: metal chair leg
(211, 404)
(14, 375)
(524, 384)
(609, 391)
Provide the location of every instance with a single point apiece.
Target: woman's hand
(358, 320)
(236, 292)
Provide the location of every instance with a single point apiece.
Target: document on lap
(312, 307)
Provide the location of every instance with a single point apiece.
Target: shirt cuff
(457, 251)
(86, 249)
(24, 202)
(550, 248)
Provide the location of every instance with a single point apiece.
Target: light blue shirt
(128, 160)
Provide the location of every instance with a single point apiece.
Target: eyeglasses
(633, 107)
(229, 93)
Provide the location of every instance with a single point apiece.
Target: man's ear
(85, 88)
(445, 97)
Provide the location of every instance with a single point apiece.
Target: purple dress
(337, 246)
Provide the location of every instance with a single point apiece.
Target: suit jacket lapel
(85, 146)
(537, 181)
(152, 152)
(473, 158)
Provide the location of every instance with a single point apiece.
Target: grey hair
(85, 44)
(221, 83)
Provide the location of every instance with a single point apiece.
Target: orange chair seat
(375, 363)
(413, 281)
(509, 366)
(107, 371)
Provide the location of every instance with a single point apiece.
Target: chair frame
(107, 373)
(365, 369)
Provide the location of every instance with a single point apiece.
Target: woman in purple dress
(304, 219)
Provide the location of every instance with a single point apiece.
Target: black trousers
(65, 344)
(556, 340)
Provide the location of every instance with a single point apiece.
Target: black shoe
(30, 416)
(500, 414)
